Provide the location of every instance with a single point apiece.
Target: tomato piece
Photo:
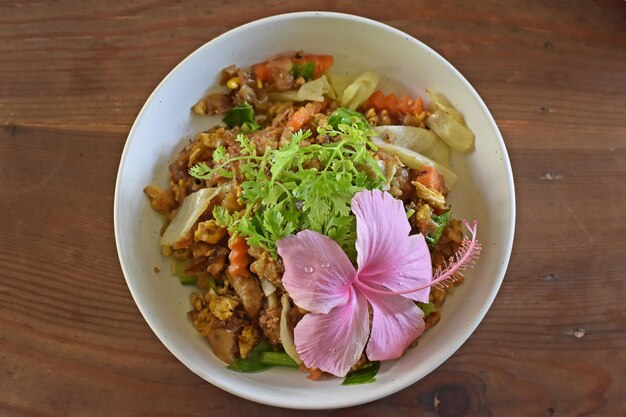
(430, 178)
(304, 113)
(394, 105)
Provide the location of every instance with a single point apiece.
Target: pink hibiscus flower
(394, 271)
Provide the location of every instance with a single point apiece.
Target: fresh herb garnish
(305, 70)
(299, 186)
(441, 221)
(239, 114)
(252, 363)
(347, 117)
(365, 375)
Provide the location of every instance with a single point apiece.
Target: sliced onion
(439, 102)
(286, 337)
(188, 213)
(389, 168)
(415, 160)
(418, 140)
(455, 134)
(312, 91)
(289, 95)
(272, 301)
(434, 198)
(267, 287)
(338, 83)
(359, 90)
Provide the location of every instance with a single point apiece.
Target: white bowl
(484, 192)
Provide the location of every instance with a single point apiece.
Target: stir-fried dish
(314, 222)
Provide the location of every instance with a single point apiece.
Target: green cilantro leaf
(301, 185)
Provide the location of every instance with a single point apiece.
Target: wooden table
(74, 76)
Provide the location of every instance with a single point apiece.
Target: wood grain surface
(76, 73)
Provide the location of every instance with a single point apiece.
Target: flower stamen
(465, 257)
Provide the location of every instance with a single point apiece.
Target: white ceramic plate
(484, 192)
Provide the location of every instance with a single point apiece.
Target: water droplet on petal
(308, 269)
(325, 265)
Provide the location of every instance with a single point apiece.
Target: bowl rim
(389, 389)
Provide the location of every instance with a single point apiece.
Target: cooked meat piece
(213, 104)
(217, 261)
(248, 288)
(269, 320)
(228, 73)
(197, 266)
(267, 267)
(269, 136)
(280, 79)
(293, 317)
(224, 344)
(401, 186)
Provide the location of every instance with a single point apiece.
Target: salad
(314, 222)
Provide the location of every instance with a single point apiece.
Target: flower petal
(334, 342)
(412, 269)
(318, 273)
(382, 229)
(396, 322)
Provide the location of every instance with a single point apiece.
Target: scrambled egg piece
(209, 232)
(220, 306)
(247, 340)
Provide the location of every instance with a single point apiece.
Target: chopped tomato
(322, 64)
(260, 70)
(304, 113)
(430, 178)
(314, 373)
(395, 105)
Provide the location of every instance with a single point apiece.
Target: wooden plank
(74, 75)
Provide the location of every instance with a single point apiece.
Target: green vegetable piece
(427, 308)
(365, 375)
(253, 362)
(239, 115)
(188, 279)
(278, 359)
(211, 283)
(442, 222)
(178, 267)
(305, 70)
(344, 116)
(409, 213)
(249, 127)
